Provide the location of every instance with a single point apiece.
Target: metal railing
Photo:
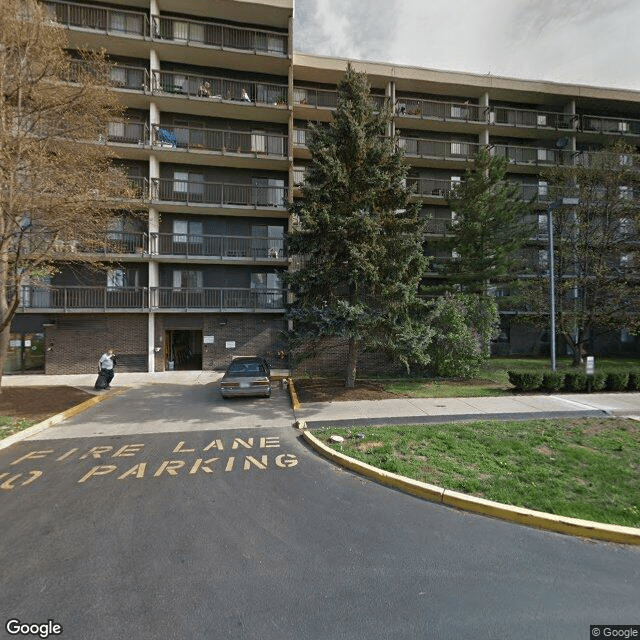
(432, 187)
(609, 125)
(79, 298)
(126, 132)
(217, 88)
(218, 35)
(256, 143)
(529, 118)
(218, 193)
(104, 19)
(438, 149)
(118, 242)
(532, 155)
(438, 227)
(217, 298)
(119, 76)
(440, 110)
(327, 98)
(230, 248)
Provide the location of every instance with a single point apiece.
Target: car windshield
(246, 369)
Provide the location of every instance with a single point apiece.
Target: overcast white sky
(593, 42)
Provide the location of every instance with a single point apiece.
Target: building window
(180, 182)
(187, 279)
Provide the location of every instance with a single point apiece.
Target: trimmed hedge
(574, 380)
(553, 380)
(634, 381)
(617, 380)
(525, 380)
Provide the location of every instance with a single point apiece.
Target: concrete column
(570, 109)
(390, 92)
(483, 103)
(151, 341)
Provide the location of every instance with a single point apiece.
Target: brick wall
(331, 359)
(75, 343)
(252, 334)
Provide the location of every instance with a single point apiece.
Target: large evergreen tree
(489, 227)
(359, 239)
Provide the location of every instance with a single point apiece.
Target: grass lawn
(9, 425)
(584, 468)
(492, 379)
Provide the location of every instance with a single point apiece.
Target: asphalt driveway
(179, 523)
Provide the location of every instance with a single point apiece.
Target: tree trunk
(4, 346)
(352, 363)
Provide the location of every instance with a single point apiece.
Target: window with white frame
(180, 181)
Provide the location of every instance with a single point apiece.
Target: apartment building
(217, 111)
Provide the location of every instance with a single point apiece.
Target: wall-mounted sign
(208, 339)
(230, 344)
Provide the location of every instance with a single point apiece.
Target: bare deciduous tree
(57, 185)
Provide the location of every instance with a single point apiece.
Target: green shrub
(553, 380)
(599, 381)
(617, 380)
(575, 381)
(525, 380)
(634, 381)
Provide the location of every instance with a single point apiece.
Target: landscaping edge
(520, 515)
(58, 417)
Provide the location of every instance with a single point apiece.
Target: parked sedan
(246, 376)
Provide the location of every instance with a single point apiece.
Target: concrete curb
(59, 417)
(295, 403)
(520, 515)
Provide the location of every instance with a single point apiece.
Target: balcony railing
(440, 110)
(327, 98)
(532, 155)
(81, 298)
(217, 298)
(616, 126)
(103, 19)
(438, 227)
(219, 36)
(432, 187)
(216, 88)
(246, 142)
(218, 194)
(120, 76)
(125, 132)
(217, 246)
(118, 242)
(438, 149)
(78, 298)
(528, 118)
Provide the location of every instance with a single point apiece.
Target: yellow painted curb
(295, 403)
(59, 417)
(520, 515)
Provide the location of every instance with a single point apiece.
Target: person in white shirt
(106, 364)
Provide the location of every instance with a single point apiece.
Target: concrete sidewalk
(430, 410)
(85, 381)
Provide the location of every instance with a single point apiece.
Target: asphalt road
(231, 528)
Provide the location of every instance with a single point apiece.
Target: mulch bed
(334, 391)
(39, 403)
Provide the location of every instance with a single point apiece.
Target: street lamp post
(552, 273)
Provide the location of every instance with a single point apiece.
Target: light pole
(552, 273)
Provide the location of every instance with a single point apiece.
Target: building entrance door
(183, 350)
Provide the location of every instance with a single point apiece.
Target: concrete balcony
(432, 187)
(510, 118)
(218, 248)
(192, 41)
(239, 148)
(78, 299)
(310, 102)
(532, 156)
(438, 150)
(217, 194)
(609, 126)
(222, 97)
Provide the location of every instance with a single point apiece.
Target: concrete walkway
(85, 381)
(425, 410)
